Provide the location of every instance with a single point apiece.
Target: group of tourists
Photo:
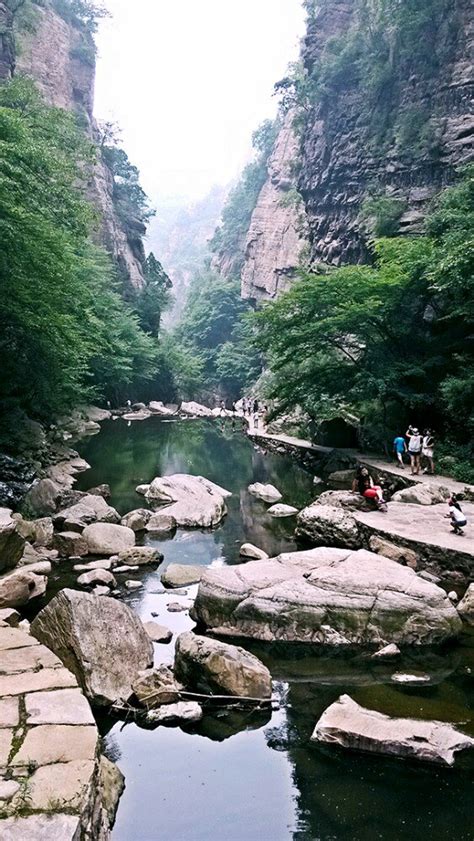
(420, 446)
(254, 410)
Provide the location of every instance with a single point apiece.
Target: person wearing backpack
(415, 443)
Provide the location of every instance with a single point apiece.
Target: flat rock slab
(9, 712)
(62, 706)
(327, 596)
(6, 741)
(349, 725)
(40, 828)
(29, 659)
(181, 575)
(65, 785)
(15, 638)
(51, 743)
(18, 684)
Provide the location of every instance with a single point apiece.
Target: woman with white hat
(415, 443)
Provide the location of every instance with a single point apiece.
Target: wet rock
(349, 725)
(387, 652)
(248, 550)
(176, 607)
(410, 679)
(105, 564)
(99, 639)
(341, 480)
(215, 667)
(136, 520)
(401, 554)
(97, 576)
(329, 596)
(422, 494)
(280, 510)
(124, 568)
(161, 524)
(193, 501)
(466, 606)
(91, 509)
(158, 633)
(108, 539)
(269, 493)
(184, 712)
(155, 687)
(180, 575)
(11, 541)
(19, 587)
(70, 544)
(133, 585)
(326, 525)
(140, 556)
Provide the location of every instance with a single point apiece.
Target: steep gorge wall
(344, 157)
(60, 59)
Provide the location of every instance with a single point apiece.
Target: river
(244, 777)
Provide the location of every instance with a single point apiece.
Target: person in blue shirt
(400, 447)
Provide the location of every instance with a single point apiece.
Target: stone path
(50, 767)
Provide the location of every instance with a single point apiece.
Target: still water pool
(255, 777)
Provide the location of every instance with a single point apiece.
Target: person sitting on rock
(456, 514)
(364, 484)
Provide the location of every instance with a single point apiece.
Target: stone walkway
(51, 771)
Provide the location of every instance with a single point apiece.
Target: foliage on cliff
(65, 332)
(228, 241)
(394, 342)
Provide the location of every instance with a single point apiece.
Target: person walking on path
(456, 514)
(400, 447)
(427, 451)
(364, 484)
(415, 442)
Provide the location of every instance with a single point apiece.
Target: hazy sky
(189, 80)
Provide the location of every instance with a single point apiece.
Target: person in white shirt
(415, 443)
(428, 451)
(456, 514)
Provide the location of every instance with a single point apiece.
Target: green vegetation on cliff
(394, 343)
(65, 332)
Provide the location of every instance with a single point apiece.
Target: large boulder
(11, 541)
(40, 500)
(466, 605)
(327, 596)
(99, 639)
(328, 525)
(344, 499)
(196, 410)
(20, 586)
(180, 575)
(108, 539)
(253, 553)
(422, 494)
(159, 408)
(92, 508)
(269, 493)
(155, 687)
(341, 480)
(70, 544)
(349, 725)
(192, 501)
(137, 520)
(138, 556)
(215, 667)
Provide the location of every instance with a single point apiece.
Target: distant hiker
(256, 419)
(223, 408)
(129, 404)
(364, 484)
(255, 406)
(400, 447)
(234, 407)
(109, 405)
(427, 451)
(456, 514)
(415, 442)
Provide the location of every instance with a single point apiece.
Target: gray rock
(396, 553)
(101, 490)
(453, 596)
(133, 585)
(92, 508)
(466, 606)
(136, 520)
(70, 544)
(176, 607)
(328, 596)
(11, 541)
(106, 563)
(193, 501)
(20, 586)
(343, 499)
(99, 639)
(341, 480)
(155, 687)
(97, 576)
(349, 725)
(158, 408)
(215, 667)
(112, 784)
(280, 510)
(195, 410)
(41, 498)
(428, 576)
(387, 652)
(10, 616)
(253, 553)
(102, 590)
(415, 679)
(184, 712)
(124, 568)
(158, 633)
(161, 523)
(422, 494)
(108, 539)
(269, 493)
(139, 556)
(41, 828)
(326, 525)
(180, 575)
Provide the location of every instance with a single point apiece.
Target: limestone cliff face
(61, 60)
(7, 49)
(277, 237)
(341, 161)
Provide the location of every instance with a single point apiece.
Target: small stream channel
(243, 777)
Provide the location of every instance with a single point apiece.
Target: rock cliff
(386, 123)
(60, 58)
